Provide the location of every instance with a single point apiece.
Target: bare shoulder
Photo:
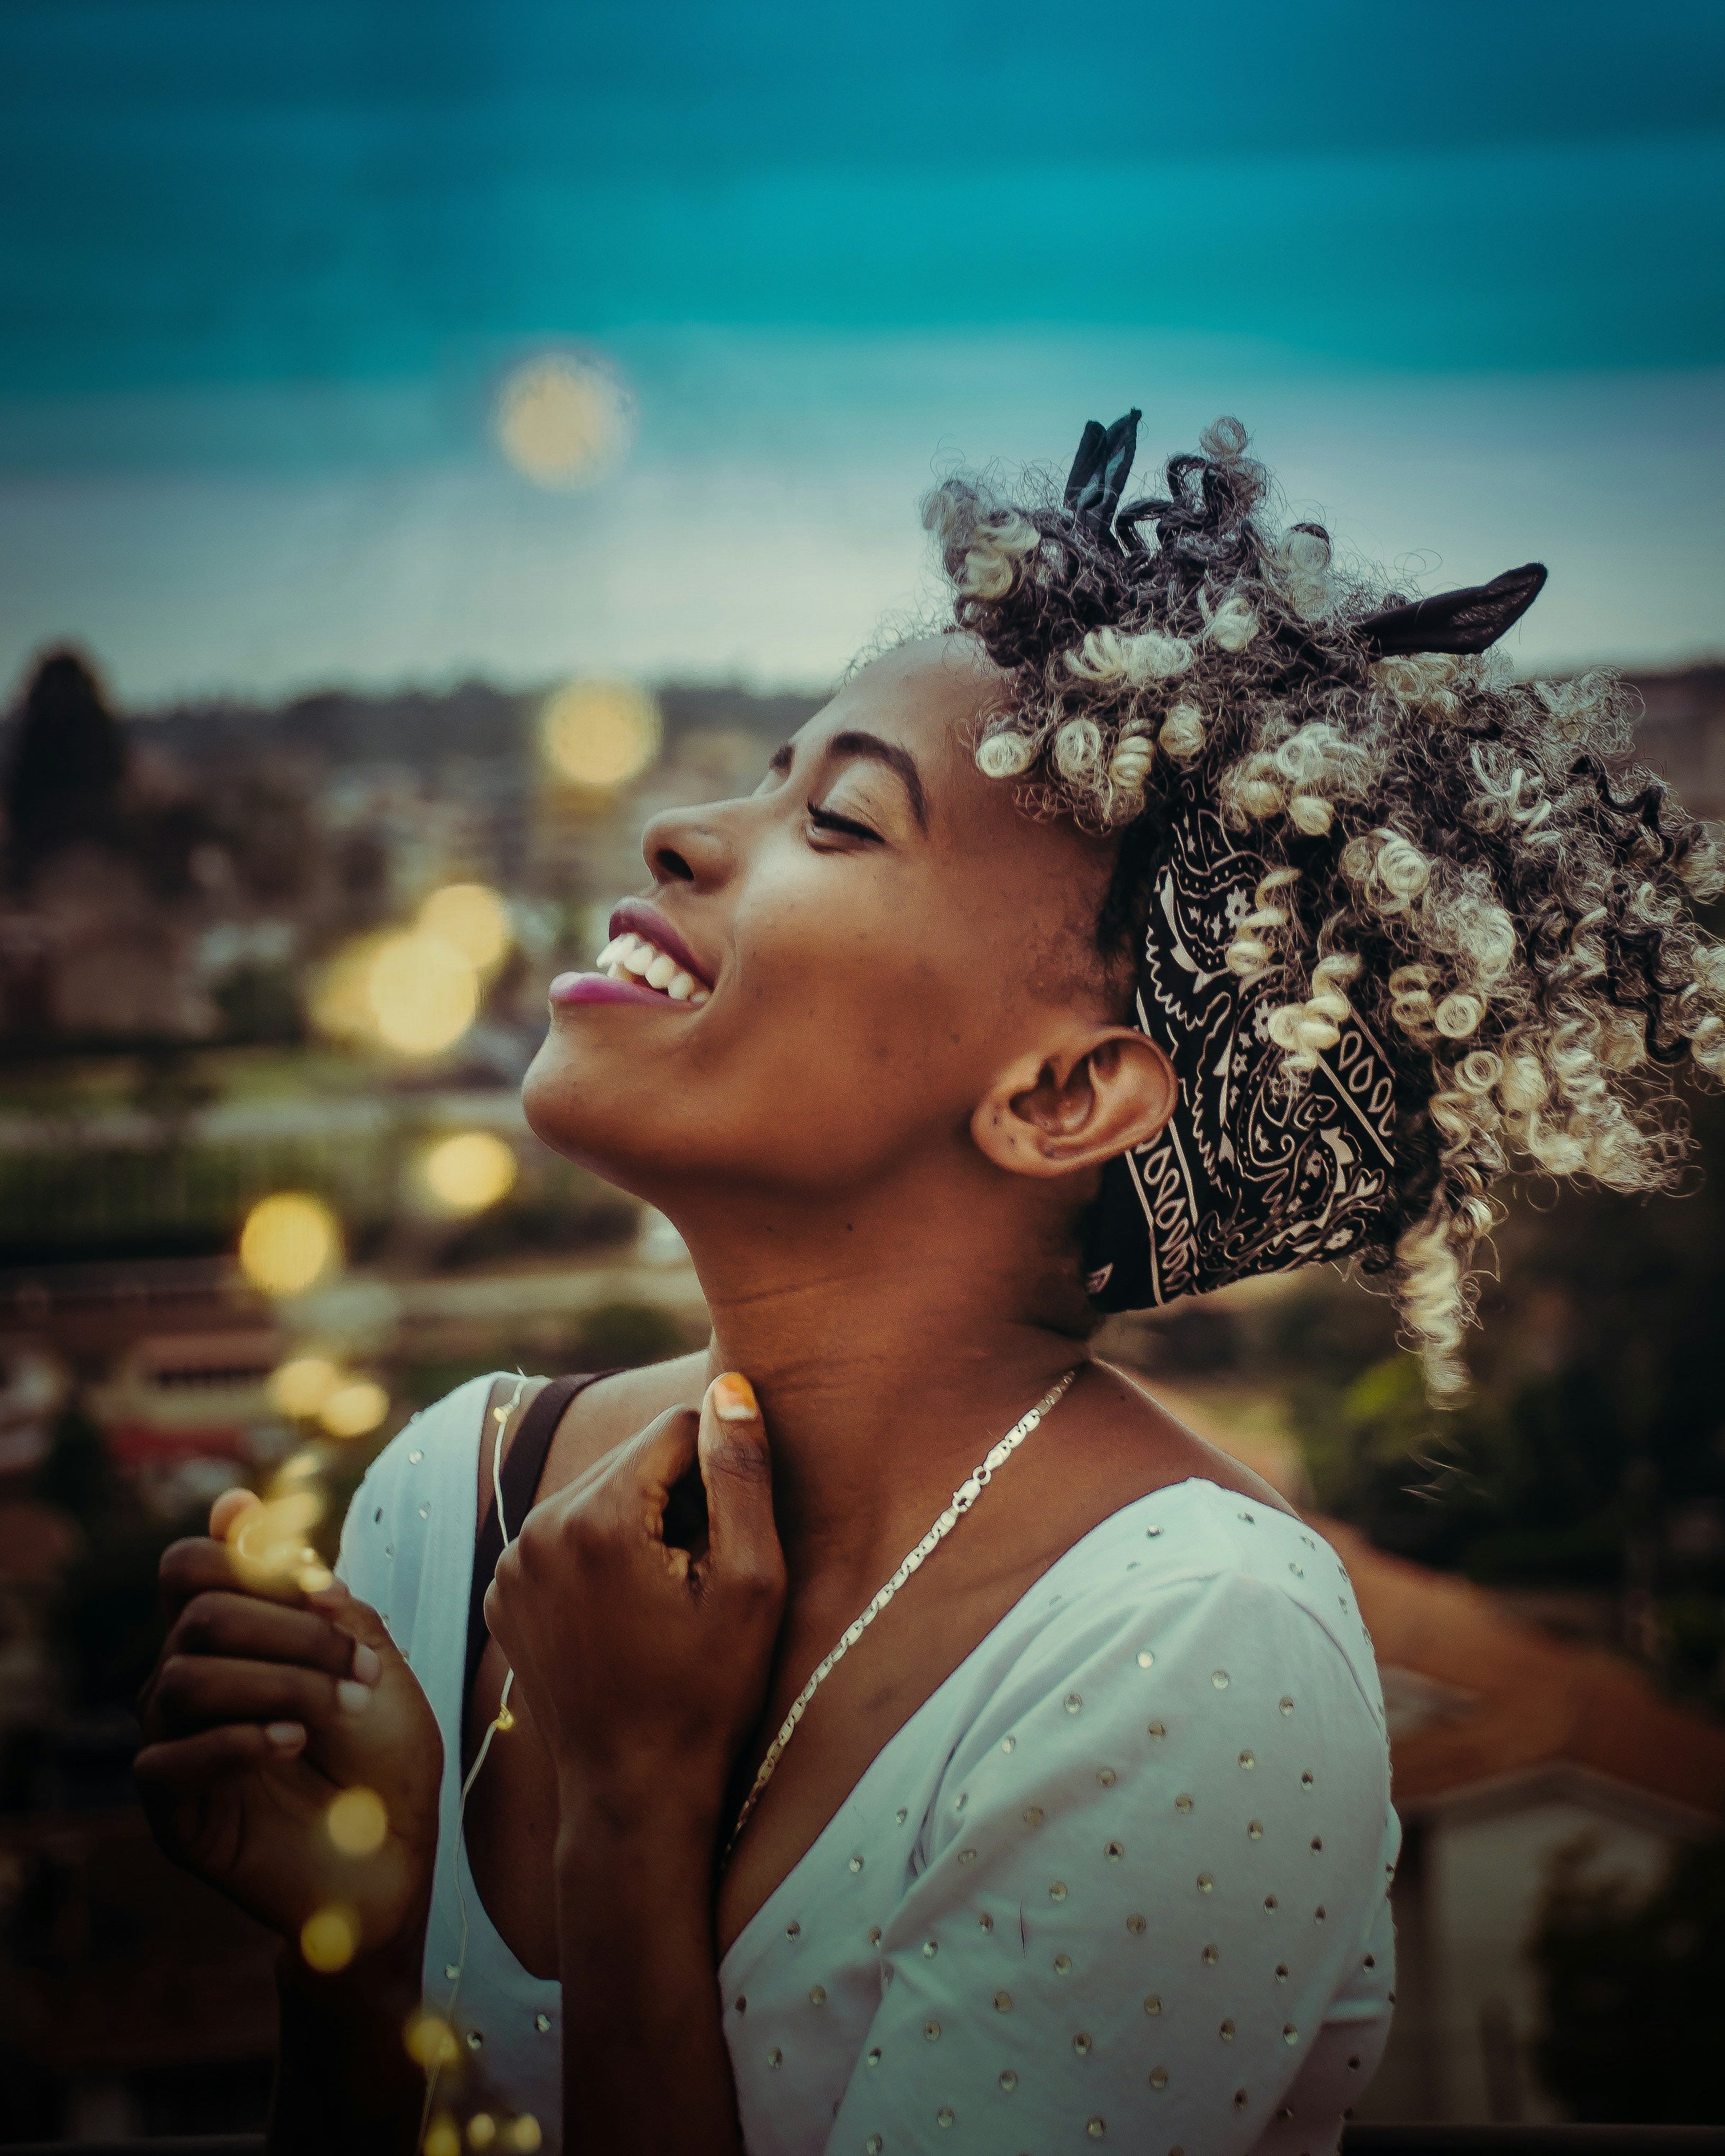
(1171, 1452)
(601, 1416)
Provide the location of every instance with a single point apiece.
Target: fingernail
(367, 1664)
(330, 1595)
(285, 1736)
(355, 1698)
(734, 1398)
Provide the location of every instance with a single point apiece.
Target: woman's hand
(646, 1664)
(260, 1712)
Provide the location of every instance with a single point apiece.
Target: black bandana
(1254, 1174)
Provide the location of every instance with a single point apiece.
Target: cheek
(835, 1048)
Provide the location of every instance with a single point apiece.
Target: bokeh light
(355, 1408)
(357, 1822)
(430, 2041)
(566, 420)
(468, 1172)
(329, 1938)
(267, 1541)
(300, 1386)
(481, 2130)
(525, 2134)
(424, 993)
(289, 1242)
(443, 2136)
(473, 918)
(406, 990)
(600, 734)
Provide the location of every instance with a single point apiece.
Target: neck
(891, 1344)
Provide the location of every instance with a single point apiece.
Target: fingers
(224, 1622)
(737, 1467)
(190, 1764)
(199, 1691)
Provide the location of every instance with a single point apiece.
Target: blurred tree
(1591, 1451)
(1634, 1989)
(68, 765)
(77, 1473)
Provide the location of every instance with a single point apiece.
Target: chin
(604, 1119)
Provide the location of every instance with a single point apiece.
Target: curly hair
(1468, 861)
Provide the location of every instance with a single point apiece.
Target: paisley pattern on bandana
(1254, 1174)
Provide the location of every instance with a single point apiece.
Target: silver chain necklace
(963, 1497)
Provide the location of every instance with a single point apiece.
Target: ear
(1106, 1089)
(1467, 620)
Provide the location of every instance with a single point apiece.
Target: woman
(1187, 911)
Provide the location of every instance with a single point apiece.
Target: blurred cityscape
(269, 980)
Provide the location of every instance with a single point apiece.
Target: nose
(688, 845)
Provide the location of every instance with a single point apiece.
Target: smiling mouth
(632, 957)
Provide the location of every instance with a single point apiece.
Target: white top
(1122, 1878)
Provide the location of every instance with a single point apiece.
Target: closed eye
(823, 819)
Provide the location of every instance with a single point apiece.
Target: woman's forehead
(927, 697)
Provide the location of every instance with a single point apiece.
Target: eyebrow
(855, 742)
(895, 758)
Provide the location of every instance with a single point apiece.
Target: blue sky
(1462, 269)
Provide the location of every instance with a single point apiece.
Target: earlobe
(1095, 1097)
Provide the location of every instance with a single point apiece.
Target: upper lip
(634, 917)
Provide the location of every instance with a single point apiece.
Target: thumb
(737, 1469)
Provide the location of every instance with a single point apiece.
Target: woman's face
(880, 932)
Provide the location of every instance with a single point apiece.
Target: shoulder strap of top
(523, 1464)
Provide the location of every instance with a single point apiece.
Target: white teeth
(697, 999)
(632, 957)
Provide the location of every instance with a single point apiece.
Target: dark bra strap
(523, 1464)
